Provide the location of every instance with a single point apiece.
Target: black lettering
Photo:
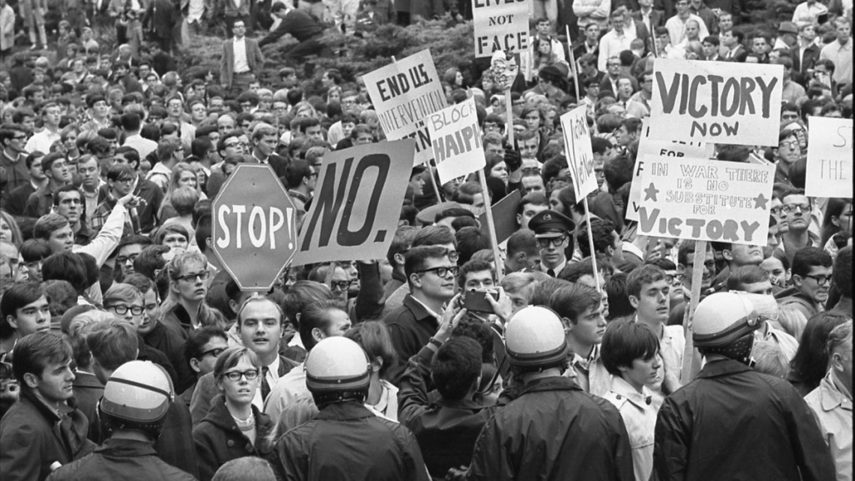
(346, 237)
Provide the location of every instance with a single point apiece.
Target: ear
(727, 254)
(519, 221)
(633, 301)
(318, 334)
(415, 279)
(194, 364)
(12, 321)
(399, 259)
(31, 380)
(377, 364)
(797, 280)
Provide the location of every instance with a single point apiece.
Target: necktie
(265, 386)
(550, 272)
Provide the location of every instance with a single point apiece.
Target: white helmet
(535, 337)
(138, 393)
(724, 317)
(336, 364)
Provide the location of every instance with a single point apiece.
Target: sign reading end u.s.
(357, 203)
(716, 102)
(254, 236)
(500, 25)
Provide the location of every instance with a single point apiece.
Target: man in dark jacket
(299, 25)
(346, 440)
(552, 430)
(136, 400)
(732, 422)
(43, 430)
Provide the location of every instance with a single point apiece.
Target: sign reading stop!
(254, 227)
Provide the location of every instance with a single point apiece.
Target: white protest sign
(404, 94)
(500, 25)
(356, 206)
(702, 199)
(716, 102)
(456, 141)
(648, 146)
(580, 157)
(829, 158)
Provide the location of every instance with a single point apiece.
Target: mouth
(260, 340)
(200, 291)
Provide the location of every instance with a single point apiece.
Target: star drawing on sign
(760, 201)
(650, 193)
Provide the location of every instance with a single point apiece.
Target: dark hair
(834, 208)
(197, 340)
(434, 235)
(296, 171)
(315, 316)
(842, 273)
(112, 343)
(33, 250)
(61, 295)
(618, 171)
(743, 275)
(414, 259)
(473, 265)
(808, 257)
(624, 342)
(573, 300)
(602, 231)
(66, 266)
(34, 352)
(644, 274)
(456, 366)
(17, 296)
(302, 294)
(373, 338)
(469, 241)
(615, 288)
(810, 363)
(545, 289)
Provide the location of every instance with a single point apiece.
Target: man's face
(225, 124)
(51, 116)
(495, 149)
(552, 247)
(100, 108)
(762, 287)
(126, 256)
(266, 144)
(289, 80)
(61, 239)
(36, 172)
(843, 30)
(528, 148)
(746, 255)
(17, 142)
(709, 269)
(70, 205)
(364, 138)
(33, 317)
(652, 303)
(725, 23)
(533, 183)
(589, 327)
(55, 382)
(89, 173)
(239, 29)
(152, 312)
(430, 281)
(613, 67)
(789, 150)
(796, 212)
(709, 49)
(692, 30)
(776, 271)
(209, 352)
(616, 22)
(315, 132)
(529, 211)
(759, 46)
(127, 311)
(59, 172)
(121, 186)
(261, 327)
(815, 283)
(479, 281)
(340, 283)
(543, 28)
(592, 33)
(682, 7)
(198, 112)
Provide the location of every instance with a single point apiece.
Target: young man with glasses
(121, 180)
(200, 353)
(431, 278)
(552, 231)
(796, 213)
(68, 202)
(58, 174)
(811, 278)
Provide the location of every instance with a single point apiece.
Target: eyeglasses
(339, 285)
(124, 259)
(122, 309)
(250, 375)
(546, 242)
(203, 275)
(216, 353)
(442, 271)
(791, 207)
(231, 144)
(820, 280)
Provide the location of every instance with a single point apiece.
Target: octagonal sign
(254, 227)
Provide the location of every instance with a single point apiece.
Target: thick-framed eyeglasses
(820, 280)
(546, 242)
(250, 375)
(203, 275)
(442, 271)
(214, 352)
(122, 309)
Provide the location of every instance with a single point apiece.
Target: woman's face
(532, 120)
(458, 79)
(334, 96)
(187, 179)
(243, 390)
(544, 48)
(5, 231)
(175, 240)
(500, 171)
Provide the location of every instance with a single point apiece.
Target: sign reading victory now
(580, 157)
(829, 158)
(456, 141)
(356, 205)
(404, 94)
(500, 25)
(664, 148)
(702, 199)
(715, 102)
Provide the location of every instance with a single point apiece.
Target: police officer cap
(550, 222)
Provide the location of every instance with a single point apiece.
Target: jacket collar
(419, 310)
(220, 416)
(126, 448)
(559, 383)
(722, 367)
(348, 410)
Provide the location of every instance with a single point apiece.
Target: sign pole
(591, 245)
(430, 169)
(491, 226)
(509, 112)
(689, 368)
(573, 66)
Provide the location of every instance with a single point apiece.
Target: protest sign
(580, 157)
(456, 140)
(356, 206)
(404, 94)
(504, 215)
(500, 25)
(702, 199)
(714, 102)
(648, 146)
(829, 158)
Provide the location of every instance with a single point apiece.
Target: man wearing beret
(552, 231)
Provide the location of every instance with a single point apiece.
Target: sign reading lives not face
(456, 141)
(701, 199)
(500, 25)
(648, 146)
(404, 94)
(580, 157)
(356, 205)
(715, 102)
(255, 236)
(829, 158)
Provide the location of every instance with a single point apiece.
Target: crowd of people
(128, 352)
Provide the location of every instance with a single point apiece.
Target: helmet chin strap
(738, 350)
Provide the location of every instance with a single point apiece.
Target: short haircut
(373, 337)
(231, 357)
(615, 289)
(66, 266)
(121, 292)
(624, 342)
(842, 273)
(469, 241)
(248, 467)
(743, 275)
(184, 199)
(601, 230)
(296, 171)
(404, 236)
(17, 296)
(33, 250)
(641, 275)
(120, 172)
(474, 266)
(808, 257)
(573, 300)
(302, 294)
(315, 316)
(455, 367)
(522, 240)
(416, 257)
(197, 340)
(112, 343)
(34, 352)
(50, 159)
(434, 235)
(618, 171)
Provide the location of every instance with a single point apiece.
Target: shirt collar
(830, 395)
(641, 399)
